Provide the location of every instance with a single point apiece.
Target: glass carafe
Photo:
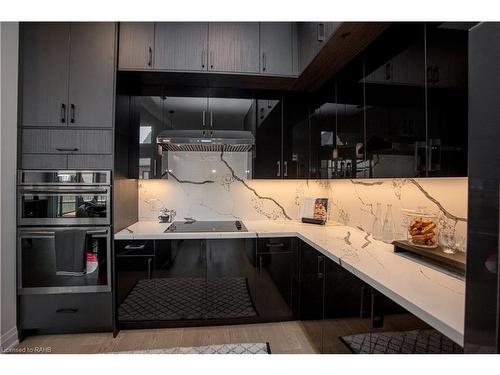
(388, 227)
(377, 223)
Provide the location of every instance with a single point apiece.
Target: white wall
(9, 43)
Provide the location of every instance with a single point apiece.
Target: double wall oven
(53, 205)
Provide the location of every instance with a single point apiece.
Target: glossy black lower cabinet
(64, 313)
(347, 308)
(230, 282)
(276, 279)
(312, 286)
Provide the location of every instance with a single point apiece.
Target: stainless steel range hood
(198, 140)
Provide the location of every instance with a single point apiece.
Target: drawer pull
(278, 244)
(66, 311)
(67, 149)
(135, 247)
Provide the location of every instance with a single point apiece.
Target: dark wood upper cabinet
(68, 74)
(92, 73)
(233, 47)
(136, 45)
(278, 48)
(181, 46)
(296, 137)
(311, 38)
(45, 71)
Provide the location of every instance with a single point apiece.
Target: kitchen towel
(70, 245)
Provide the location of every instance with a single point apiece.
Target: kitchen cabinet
(311, 38)
(312, 287)
(204, 113)
(58, 313)
(347, 308)
(233, 47)
(395, 105)
(447, 99)
(44, 73)
(337, 127)
(91, 75)
(171, 282)
(230, 283)
(267, 153)
(136, 43)
(68, 74)
(66, 148)
(296, 138)
(277, 279)
(181, 46)
(278, 48)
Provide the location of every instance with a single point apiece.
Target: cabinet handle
(435, 74)
(321, 31)
(264, 62)
(211, 123)
(150, 58)
(285, 168)
(429, 74)
(388, 71)
(203, 122)
(260, 264)
(203, 59)
(66, 311)
(72, 107)
(66, 149)
(320, 262)
(211, 59)
(279, 169)
(149, 267)
(135, 247)
(155, 167)
(277, 244)
(63, 112)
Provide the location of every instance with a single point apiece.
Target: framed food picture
(320, 209)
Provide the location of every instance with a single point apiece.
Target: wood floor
(283, 337)
(293, 337)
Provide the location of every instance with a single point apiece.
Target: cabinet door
(181, 45)
(67, 141)
(230, 280)
(395, 108)
(44, 72)
(267, 154)
(312, 268)
(347, 308)
(277, 48)
(276, 280)
(447, 98)
(228, 113)
(92, 73)
(136, 45)
(296, 137)
(234, 47)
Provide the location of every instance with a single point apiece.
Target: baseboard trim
(9, 340)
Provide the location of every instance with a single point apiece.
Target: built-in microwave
(56, 198)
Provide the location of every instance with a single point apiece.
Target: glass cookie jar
(422, 229)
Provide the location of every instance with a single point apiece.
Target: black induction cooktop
(206, 226)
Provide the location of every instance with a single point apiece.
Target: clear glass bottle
(377, 223)
(388, 227)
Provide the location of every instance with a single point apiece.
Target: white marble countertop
(432, 295)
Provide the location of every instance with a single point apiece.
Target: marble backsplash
(211, 186)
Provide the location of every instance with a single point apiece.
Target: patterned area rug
(247, 348)
(187, 298)
(425, 341)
